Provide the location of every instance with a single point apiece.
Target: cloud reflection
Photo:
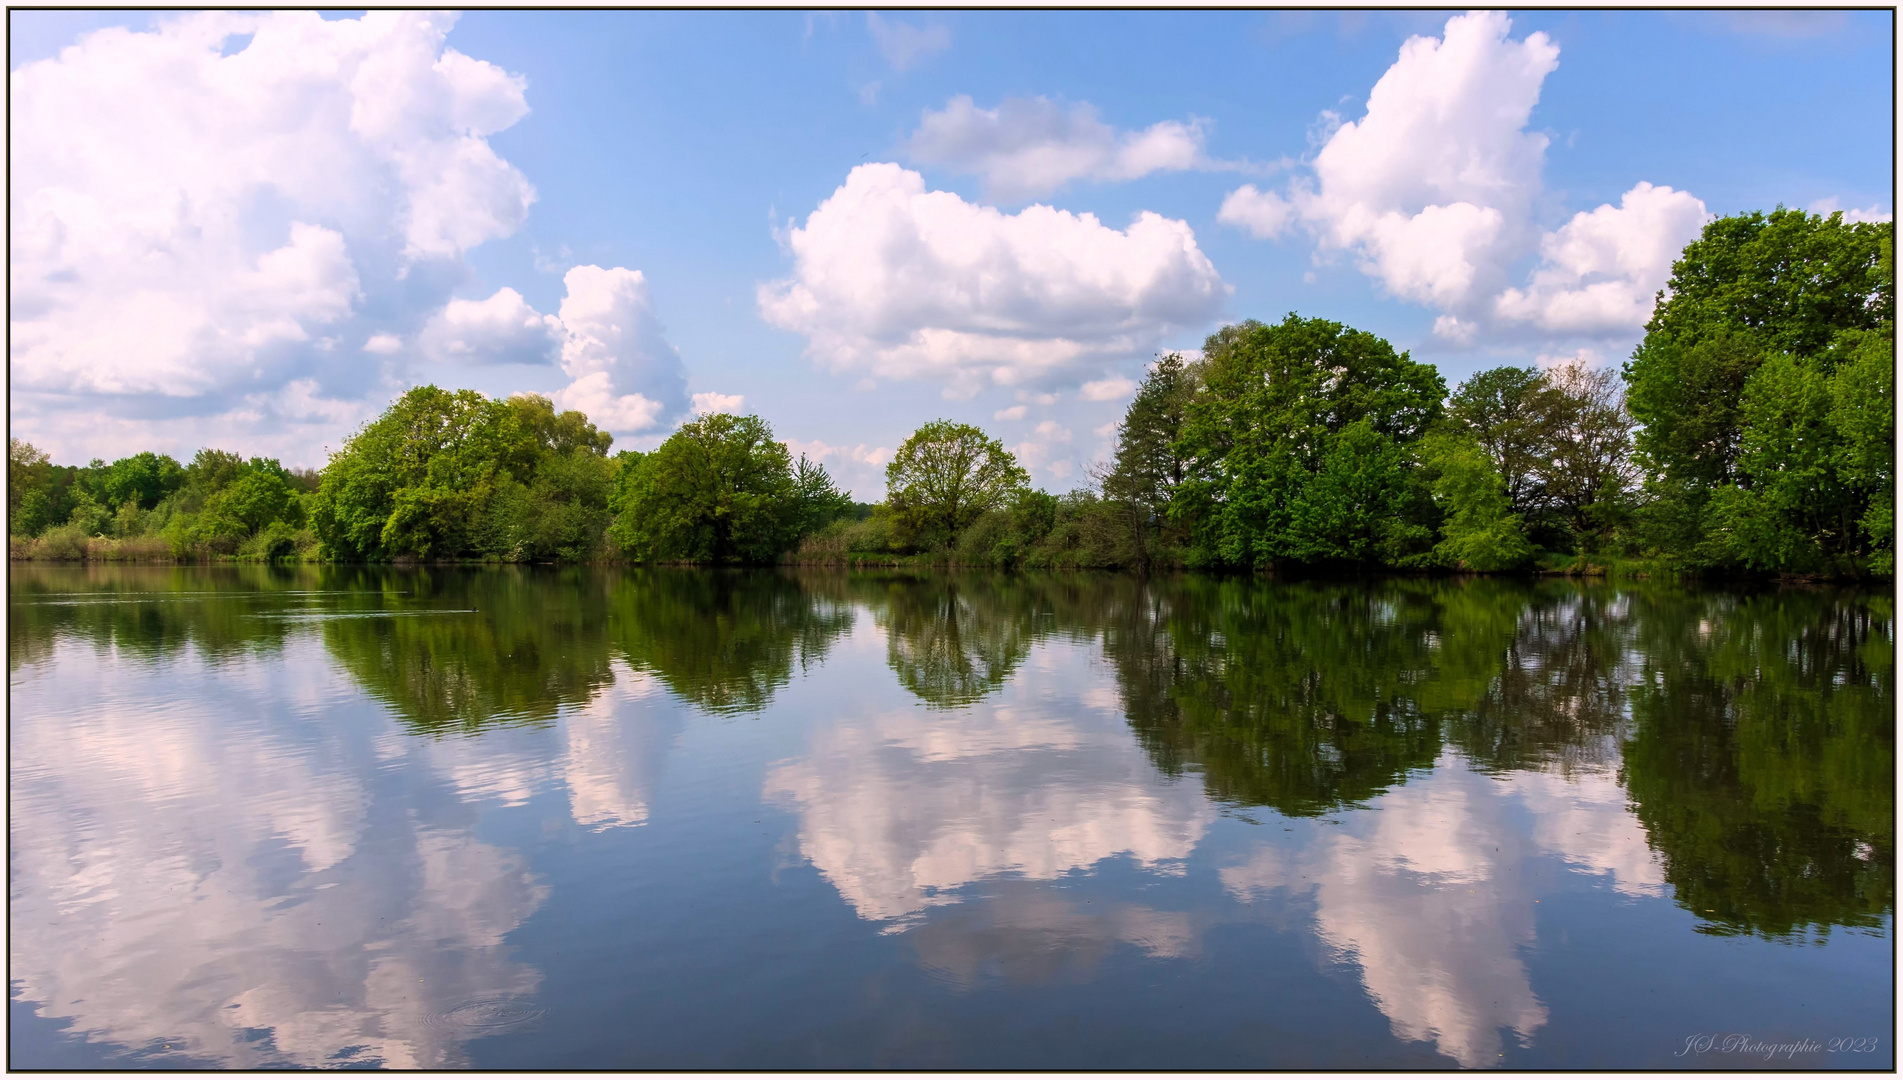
(206, 874)
(1430, 892)
(899, 809)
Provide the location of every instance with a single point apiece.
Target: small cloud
(383, 344)
(1053, 431)
(1104, 431)
(1262, 214)
(903, 44)
(1827, 207)
(1034, 398)
(1115, 388)
(1458, 331)
(709, 403)
(1015, 412)
(869, 94)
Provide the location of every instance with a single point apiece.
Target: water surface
(586, 818)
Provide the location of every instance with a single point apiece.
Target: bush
(64, 543)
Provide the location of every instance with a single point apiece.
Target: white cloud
(1600, 271)
(1433, 188)
(1262, 214)
(1032, 146)
(1015, 412)
(626, 375)
(1873, 213)
(193, 230)
(901, 282)
(857, 470)
(383, 344)
(903, 44)
(710, 402)
(503, 329)
(1114, 388)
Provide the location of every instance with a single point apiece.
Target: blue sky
(218, 253)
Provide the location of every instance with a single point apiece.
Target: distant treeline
(1752, 431)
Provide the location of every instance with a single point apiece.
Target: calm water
(514, 819)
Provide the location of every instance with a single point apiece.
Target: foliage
(943, 477)
(719, 490)
(1269, 454)
(1479, 529)
(456, 475)
(1765, 389)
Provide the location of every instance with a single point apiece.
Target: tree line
(1752, 431)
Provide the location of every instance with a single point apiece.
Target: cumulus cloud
(503, 329)
(194, 230)
(626, 375)
(1032, 146)
(1600, 271)
(1432, 192)
(710, 402)
(900, 282)
(903, 44)
(1432, 185)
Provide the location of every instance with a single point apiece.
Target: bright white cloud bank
(1432, 192)
(1032, 146)
(270, 236)
(901, 282)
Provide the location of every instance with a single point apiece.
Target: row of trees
(218, 503)
(1752, 431)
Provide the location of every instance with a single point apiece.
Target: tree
(1265, 422)
(1588, 438)
(446, 474)
(1500, 408)
(144, 477)
(944, 476)
(1787, 280)
(1147, 470)
(819, 502)
(720, 489)
(1479, 531)
(1737, 382)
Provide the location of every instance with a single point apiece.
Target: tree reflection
(725, 641)
(1762, 757)
(152, 612)
(459, 651)
(1299, 697)
(954, 640)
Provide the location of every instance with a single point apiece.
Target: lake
(541, 818)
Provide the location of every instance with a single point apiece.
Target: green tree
(720, 489)
(944, 476)
(144, 477)
(819, 502)
(1723, 456)
(1273, 400)
(1148, 468)
(1500, 408)
(1479, 529)
(1587, 436)
(446, 474)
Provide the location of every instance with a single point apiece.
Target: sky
(253, 230)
